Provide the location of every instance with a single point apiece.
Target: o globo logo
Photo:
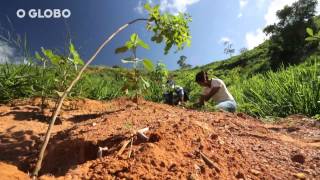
(44, 14)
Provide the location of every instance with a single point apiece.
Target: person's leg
(229, 106)
(180, 96)
(168, 97)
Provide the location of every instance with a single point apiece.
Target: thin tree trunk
(65, 93)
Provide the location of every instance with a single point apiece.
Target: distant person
(216, 90)
(175, 94)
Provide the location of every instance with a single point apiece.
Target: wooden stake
(130, 152)
(125, 144)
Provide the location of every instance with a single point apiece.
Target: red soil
(236, 146)
(9, 172)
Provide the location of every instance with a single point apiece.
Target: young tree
(170, 29)
(182, 62)
(228, 48)
(243, 50)
(136, 82)
(287, 41)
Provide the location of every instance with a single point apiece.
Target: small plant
(64, 66)
(135, 81)
(160, 73)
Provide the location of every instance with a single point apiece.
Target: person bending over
(216, 90)
(175, 95)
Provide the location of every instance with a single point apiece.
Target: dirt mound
(181, 144)
(10, 172)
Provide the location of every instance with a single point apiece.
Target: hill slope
(237, 146)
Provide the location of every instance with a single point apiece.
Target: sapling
(136, 82)
(167, 28)
(65, 67)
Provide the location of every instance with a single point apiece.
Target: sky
(214, 21)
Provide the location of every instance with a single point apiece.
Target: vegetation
(228, 48)
(287, 42)
(182, 62)
(135, 81)
(295, 90)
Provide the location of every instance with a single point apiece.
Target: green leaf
(188, 41)
(129, 44)
(122, 49)
(310, 31)
(146, 83)
(127, 60)
(134, 37)
(143, 44)
(311, 39)
(59, 93)
(54, 59)
(37, 55)
(75, 55)
(147, 7)
(148, 65)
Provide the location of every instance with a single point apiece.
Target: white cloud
(172, 6)
(243, 3)
(139, 8)
(7, 53)
(253, 39)
(318, 9)
(257, 37)
(260, 3)
(225, 39)
(176, 6)
(274, 6)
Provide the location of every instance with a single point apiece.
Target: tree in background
(182, 62)
(243, 50)
(228, 48)
(287, 41)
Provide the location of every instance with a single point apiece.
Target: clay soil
(181, 143)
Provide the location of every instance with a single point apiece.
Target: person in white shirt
(216, 90)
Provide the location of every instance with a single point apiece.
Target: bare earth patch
(181, 144)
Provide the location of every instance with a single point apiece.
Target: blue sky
(214, 21)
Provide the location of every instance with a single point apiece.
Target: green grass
(294, 90)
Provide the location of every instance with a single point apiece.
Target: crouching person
(175, 95)
(216, 90)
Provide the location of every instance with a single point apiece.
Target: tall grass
(16, 81)
(289, 91)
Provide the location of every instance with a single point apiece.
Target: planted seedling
(136, 83)
(65, 66)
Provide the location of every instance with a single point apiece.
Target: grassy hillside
(260, 91)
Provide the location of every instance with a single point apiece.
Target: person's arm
(212, 92)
